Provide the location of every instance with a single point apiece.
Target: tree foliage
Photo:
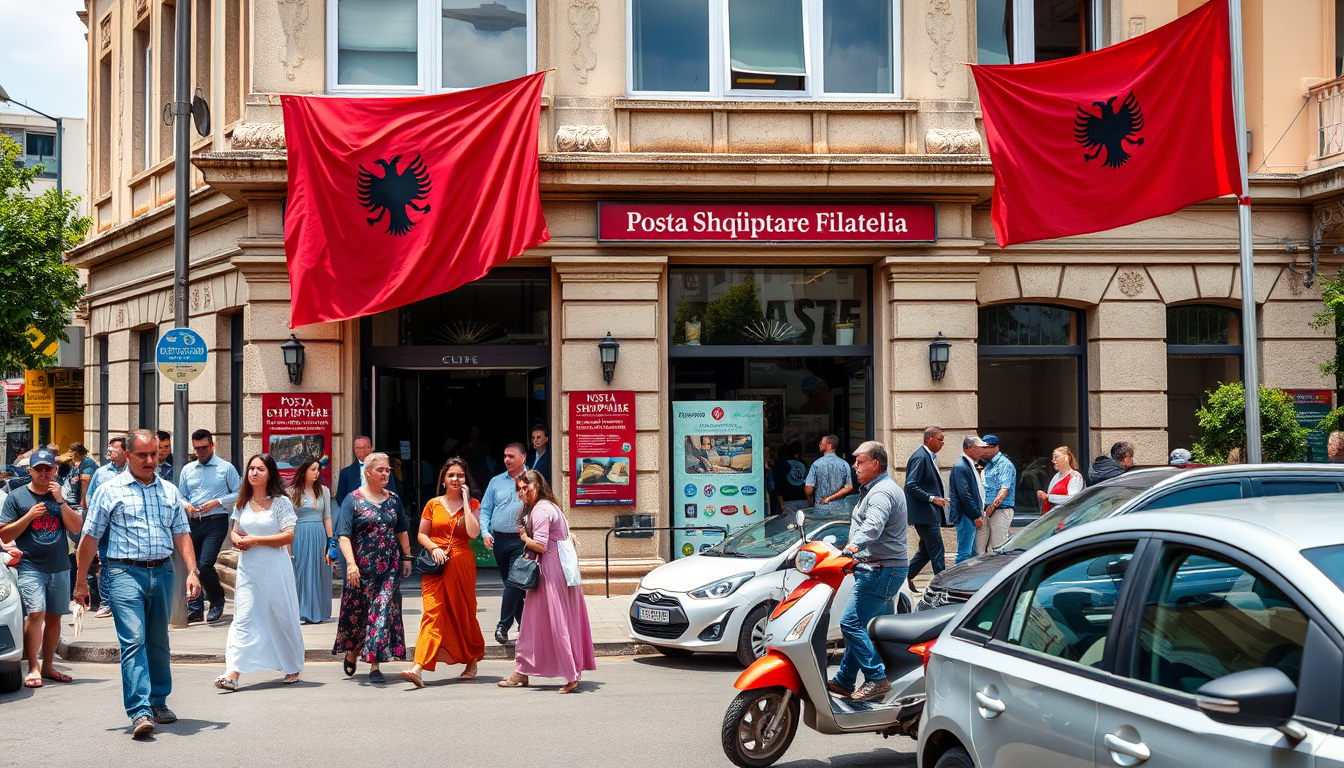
(37, 288)
(1332, 294)
(1224, 426)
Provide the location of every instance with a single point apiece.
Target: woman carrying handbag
(555, 639)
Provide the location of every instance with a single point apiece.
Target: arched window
(1203, 351)
(1032, 389)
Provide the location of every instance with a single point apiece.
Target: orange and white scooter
(788, 683)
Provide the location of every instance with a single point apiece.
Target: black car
(1138, 490)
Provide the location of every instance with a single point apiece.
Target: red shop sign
(767, 223)
(602, 448)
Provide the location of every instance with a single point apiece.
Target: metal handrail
(606, 557)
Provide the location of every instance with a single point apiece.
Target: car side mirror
(1255, 698)
(1115, 566)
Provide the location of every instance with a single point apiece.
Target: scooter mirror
(799, 519)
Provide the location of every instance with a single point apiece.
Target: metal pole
(1250, 348)
(181, 252)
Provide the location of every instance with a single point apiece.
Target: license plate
(654, 615)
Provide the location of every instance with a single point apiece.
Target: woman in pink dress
(555, 639)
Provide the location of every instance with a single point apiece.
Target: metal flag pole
(181, 111)
(1250, 355)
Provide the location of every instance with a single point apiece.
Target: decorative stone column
(1127, 368)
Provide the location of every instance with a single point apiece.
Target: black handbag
(424, 563)
(524, 574)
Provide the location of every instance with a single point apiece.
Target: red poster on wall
(602, 448)
(297, 427)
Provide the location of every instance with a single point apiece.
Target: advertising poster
(602, 448)
(294, 428)
(718, 469)
(1311, 405)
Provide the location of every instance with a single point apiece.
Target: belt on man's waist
(504, 535)
(137, 563)
(878, 565)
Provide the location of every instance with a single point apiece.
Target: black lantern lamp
(608, 350)
(939, 350)
(293, 350)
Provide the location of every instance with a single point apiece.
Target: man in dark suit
(352, 476)
(925, 498)
(539, 458)
(967, 507)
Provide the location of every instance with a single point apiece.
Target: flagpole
(1250, 354)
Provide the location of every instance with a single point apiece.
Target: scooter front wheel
(759, 727)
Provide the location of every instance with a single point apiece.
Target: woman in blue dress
(312, 536)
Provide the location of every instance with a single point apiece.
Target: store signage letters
(768, 223)
(462, 360)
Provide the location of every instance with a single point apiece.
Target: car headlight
(805, 561)
(722, 587)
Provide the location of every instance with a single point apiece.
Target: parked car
(11, 629)
(1178, 637)
(718, 600)
(1138, 490)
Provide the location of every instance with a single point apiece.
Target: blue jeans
(965, 539)
(872, 596)
(141, 600)
(102, 569)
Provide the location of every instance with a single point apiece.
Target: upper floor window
(429, 45)
(1020, 31)
(764, 48)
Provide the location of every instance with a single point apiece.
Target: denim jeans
(141, 599)
(965, 539)
(872, 595)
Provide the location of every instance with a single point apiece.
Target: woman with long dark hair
(449, 632)
(555, 638)
(265, 630)
(312, 536)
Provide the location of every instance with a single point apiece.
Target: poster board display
(602, 448)
(1312, 405)
(718, 469)
(296, 427)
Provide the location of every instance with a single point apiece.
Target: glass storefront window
(1203, 352)
(761, 306)
(507, 306)
(1027, 325)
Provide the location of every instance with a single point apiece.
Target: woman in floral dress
(372, 531)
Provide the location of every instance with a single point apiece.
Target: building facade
(669, 107)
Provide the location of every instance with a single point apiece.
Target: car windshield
(1330, 560)
(1091, 504)
(769, 537)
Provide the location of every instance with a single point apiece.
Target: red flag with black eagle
(1092, 142)
(393, 200)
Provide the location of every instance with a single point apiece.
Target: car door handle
(990, 707)
(1118, 746)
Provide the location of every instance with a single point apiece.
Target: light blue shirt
(216, 479)
(828, 475)
(500, 505)
(999, 474)
(140, 519)
(104, 473)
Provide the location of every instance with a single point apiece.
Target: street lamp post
(4, 97)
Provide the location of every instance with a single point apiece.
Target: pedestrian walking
(926, 497)
(449, 632)
(500, 510)
(371, 528)
(828, 479)
(35, 518)
(265, 631)
(209, 486)
(83, 469)
(791, 478)
(1000, 483)
(1067, 482)
(967, 505)
(555, 638)
(539, 458)
(878, 531)
(312, 540)
(116, 464)
(145, 521)
(1120, 461)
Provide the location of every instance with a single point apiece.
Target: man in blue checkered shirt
(1000, 497)
(143, 516)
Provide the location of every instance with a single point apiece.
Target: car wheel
(751, 638)
(758, 728)
(672, 653)
(11, 678)
(955, 757)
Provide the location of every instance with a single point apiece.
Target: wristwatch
(196, 571)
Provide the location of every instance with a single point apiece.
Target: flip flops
(291, 679)
(415, 679)
(225, 684)
(59, 677)
(513, 681)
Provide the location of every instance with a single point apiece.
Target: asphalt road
(644, 711)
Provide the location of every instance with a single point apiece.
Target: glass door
(396, 426)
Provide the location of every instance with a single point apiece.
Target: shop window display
(769, 306)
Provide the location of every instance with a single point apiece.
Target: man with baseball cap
(35, 518)
(1180, 458)
(1001, 495)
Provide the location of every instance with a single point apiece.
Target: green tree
(727, 318)
(37, 288)
(1224, 425)
(1332, 316)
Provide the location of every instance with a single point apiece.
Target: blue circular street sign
(181, 355)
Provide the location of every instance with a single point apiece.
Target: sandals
(513, 681)
(32, 682)
(469, 673)
(376, 677)
(225, 684)
(59, 677)
(415, 679)
(349, 666)
(291, 679)
(570, 687)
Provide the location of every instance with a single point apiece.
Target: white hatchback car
(719, 600)
(1209, 635)
(11, 629)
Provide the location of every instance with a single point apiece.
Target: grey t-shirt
(43, 542)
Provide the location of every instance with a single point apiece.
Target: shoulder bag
(425, 564)
(569, 555)
(524, 573)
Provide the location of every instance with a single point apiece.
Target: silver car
(1206, 635)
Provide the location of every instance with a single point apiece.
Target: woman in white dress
(265, 632)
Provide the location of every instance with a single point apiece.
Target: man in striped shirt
(145, 521)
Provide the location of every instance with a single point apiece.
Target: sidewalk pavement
(204, 643)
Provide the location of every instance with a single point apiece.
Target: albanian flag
(396, 200)
(1088, 143)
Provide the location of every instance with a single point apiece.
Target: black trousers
(930, 550)
(207, 537)
(509, 547)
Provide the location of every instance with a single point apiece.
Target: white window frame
(429, 53)
(720, 66)
(1024, 24)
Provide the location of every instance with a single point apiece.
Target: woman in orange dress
(449, 632)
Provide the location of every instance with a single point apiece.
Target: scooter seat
(911, 628)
